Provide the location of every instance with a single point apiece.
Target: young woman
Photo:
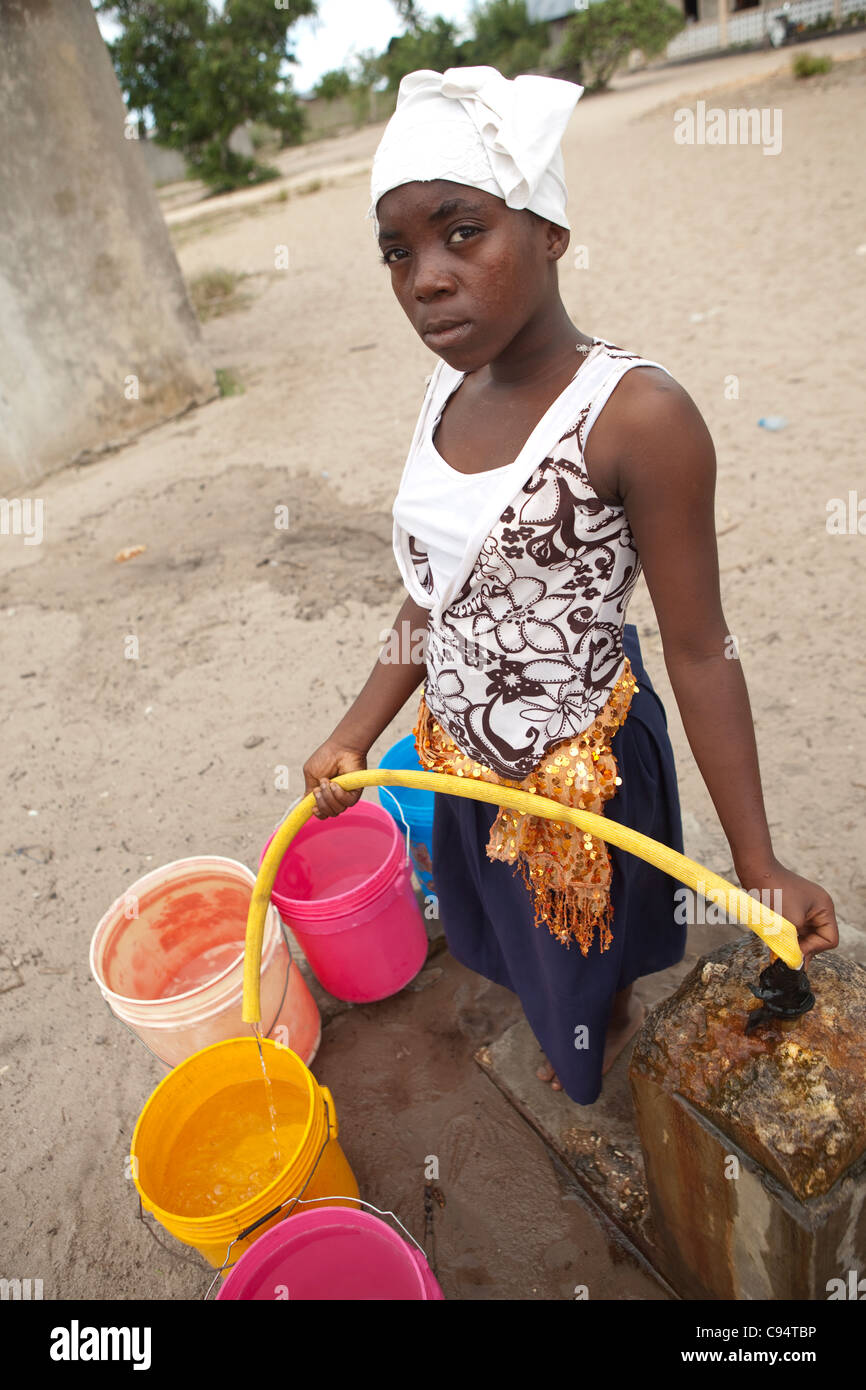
(545, 472)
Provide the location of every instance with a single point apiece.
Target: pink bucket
(331, 1253)
(345, 889)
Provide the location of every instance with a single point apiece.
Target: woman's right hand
(330, 760)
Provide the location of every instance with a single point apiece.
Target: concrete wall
(166, 165)
(99, 339)
(163, 164)
(329, 117)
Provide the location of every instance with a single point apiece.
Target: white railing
(750, 26)
(694, 39)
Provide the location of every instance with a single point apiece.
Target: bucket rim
(402, 749)
(334, 923)
(330, 1218)
(246, 1211)
(406, 749)
(141, 1011)
(339, 903)
(270, 943)
(424, 822)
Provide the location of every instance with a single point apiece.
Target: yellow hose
(779, 934)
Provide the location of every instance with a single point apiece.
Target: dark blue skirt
(487, 913)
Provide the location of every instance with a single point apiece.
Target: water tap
(784, 993)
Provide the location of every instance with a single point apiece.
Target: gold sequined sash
(567, 871)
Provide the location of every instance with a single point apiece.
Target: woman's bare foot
(626, 1017)
(546, 1073)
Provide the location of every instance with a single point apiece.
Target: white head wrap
(476, 127)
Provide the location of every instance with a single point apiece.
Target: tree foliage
(504, 37)
(410, 13)
(201, 72)
(429, 44)
(598, 40)
(333, 84)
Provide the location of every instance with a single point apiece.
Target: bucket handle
(408, 857)
(333, 1128)
(308, 1201)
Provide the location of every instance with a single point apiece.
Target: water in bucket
(200, 969)
(229, 1150)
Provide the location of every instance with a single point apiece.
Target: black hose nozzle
(784, 993)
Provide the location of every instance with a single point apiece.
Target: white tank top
(526, 574)
(440, 506)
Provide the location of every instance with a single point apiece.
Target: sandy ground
(717, 262)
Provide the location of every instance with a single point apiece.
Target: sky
(343, 27)
(347, 26)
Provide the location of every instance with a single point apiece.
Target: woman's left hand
(803, 903)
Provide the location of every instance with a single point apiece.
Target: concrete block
(100, 340)
(755, 1147)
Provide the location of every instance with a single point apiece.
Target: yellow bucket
(181, 1120)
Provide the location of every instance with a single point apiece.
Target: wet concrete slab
(597, 1144)
(502, 1217)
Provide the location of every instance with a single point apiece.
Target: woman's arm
(399, 669)
(666, 473)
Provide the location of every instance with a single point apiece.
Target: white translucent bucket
(168, 957)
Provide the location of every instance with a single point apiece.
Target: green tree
(335, 83)
(599, 39)
(365, 74)
(200, 72)
(367, 69)
(410, 14)
(504, 37)
(429, 44)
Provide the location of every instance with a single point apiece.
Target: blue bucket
(413, 808)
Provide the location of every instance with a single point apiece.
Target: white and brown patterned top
(525, 641)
